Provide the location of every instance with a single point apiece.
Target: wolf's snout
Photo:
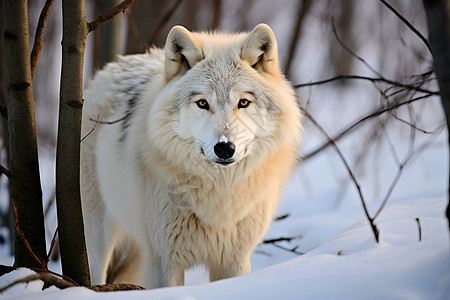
(224, 150)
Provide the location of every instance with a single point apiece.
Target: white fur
(152, 179)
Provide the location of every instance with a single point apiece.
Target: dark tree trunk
(439, 36)
(70, 220)
(24, 167)
(9, 216)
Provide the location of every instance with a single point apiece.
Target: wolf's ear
(182, 50)
(260, 50)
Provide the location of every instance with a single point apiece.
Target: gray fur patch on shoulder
(131, 74)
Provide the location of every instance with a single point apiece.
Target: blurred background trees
(317, 40)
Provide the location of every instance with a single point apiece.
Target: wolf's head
(227, 93)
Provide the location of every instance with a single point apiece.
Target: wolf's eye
(243, 103)
(203, 104)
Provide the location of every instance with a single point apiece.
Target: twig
(415, 126)
(109, 15)
(371, 79)
(407, 23)
(346, 48)
(293, 250)
(50, 202)
(282, 217)
(280, 239)
(420, 229)
(377, 112)
(23, 238)
(5, 171)
(275, 242)
(46, 270)
(49, 279)
(92, 130)
(39, 37)
(52, 245)
(349, 170)
(109, 122)
(112, 287)
(405, 161)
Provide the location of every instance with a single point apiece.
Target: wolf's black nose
(224, 150)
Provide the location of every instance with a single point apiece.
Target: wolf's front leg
(158, 273)
(229, 269)
(102, 235)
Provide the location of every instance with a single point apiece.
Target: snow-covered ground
(349, 266)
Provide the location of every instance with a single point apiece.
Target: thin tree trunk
(24, 167)
(439, 36)
(70, 220)
(9, 216)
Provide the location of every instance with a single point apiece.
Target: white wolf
(186, 164)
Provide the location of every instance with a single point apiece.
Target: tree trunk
(24, 166)
(70, 221)
(9, 215)
(439, 36)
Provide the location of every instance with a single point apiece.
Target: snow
(349, 266)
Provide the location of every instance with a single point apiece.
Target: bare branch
(346, 48)
(282, 217)
(23, 238)
(349, 170)
(293, 250)
(39, 37)
(280, 239)
(112, 287)
(109, 122)
(377, 112)
(109, 15)
(92, 130)
(52, 245)
(50, 280)
(405, 161)
(420, 229)
(415, 126)
(371, 79)
(407, 23)
(47, 278)
(5, 171)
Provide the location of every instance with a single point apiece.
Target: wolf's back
(112, 88)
